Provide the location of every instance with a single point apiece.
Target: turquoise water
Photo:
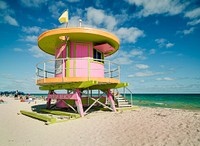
(178, 101)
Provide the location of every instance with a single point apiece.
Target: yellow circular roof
(50, 39)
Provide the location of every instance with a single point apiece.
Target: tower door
(79, 53)
(81, 61)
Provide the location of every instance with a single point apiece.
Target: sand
(142, 127)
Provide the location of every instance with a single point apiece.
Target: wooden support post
(111, 100)
(79, 103)
(48, 101)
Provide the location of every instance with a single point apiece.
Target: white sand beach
(145, 126)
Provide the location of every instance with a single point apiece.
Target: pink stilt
(111, 100)
(79, 103)
(48, 103)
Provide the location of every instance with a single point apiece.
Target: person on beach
(16, 94)
(1, 101)
(52, 92)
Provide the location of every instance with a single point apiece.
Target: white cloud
(151, 7)
(165, 79)
(194, 22)
(137, 52)
(152, 51)
(30, 38)
(33, 3)
(55, 8)
(33, 29)
(141, 66)
(186, 31)
(123, 60)
(10, 20)
(100, 18)
(193, 13)
(3, 5)
(163, 43)
(121, 57)
(129, 34)
(168, 45)
(73, 1)
(73, 22)
(18, 50)
(127, 57)
(6, 14)
(145, 74)
(95, 16)
(36, 52)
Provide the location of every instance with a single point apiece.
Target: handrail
(53, 67)
(131, 94)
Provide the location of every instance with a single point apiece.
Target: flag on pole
(64, 17)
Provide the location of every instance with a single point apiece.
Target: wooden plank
(54, 112)
(72, 85)
(56, 80)
(109, 86)
(39, 116)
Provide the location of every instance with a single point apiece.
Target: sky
(159, 40)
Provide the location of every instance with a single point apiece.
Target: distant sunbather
(2, 101)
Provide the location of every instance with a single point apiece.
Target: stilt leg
(48, 103)
(79, 103)
(111, 100)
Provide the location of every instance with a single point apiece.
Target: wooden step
(125, 105)
(122, 100)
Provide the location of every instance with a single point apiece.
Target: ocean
(176, 101)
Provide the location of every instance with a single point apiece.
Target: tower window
(97, 55)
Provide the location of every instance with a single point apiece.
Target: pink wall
(97, 69)
(78, 67)
(81, 49)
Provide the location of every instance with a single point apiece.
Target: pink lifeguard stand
(79, 68)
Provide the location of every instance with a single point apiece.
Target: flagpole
(67, 18)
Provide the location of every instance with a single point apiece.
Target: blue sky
(159, 51)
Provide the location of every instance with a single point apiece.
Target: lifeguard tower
(79, 68)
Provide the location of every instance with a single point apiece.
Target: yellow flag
(64, 17)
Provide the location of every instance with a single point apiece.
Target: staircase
(122, 102)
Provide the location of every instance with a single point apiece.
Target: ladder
(122, 102)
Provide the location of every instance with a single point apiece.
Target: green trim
(74, 65)
(54, 112)
(39, 116)
(68, 68)
(127, 108)
(109, 86)
(89, 60)
(68, 61)
(88, 50)
(72, 85)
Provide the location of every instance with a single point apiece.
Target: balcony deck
(47, 78)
